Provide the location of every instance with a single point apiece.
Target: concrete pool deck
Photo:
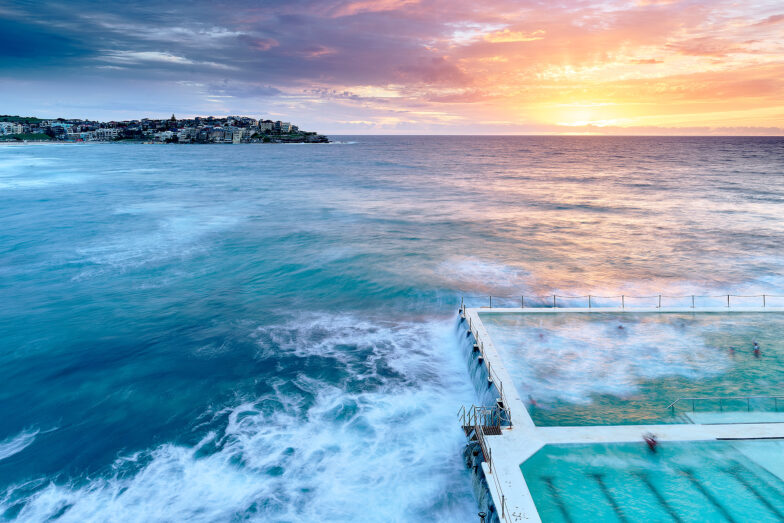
(523, 439)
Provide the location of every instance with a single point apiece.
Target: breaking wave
(17, 444)
(378, 444)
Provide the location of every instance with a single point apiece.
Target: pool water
(626, 368)
(682, 481)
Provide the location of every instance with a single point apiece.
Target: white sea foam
(475, 274)
(17, 444)
(176, 236)
(385, 451)
(28, 172)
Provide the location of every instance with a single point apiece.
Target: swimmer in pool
(757, 351)
(651, 441)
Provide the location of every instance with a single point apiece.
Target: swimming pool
(682, 481)
(603, 368)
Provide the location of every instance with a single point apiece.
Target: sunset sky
(405, 66)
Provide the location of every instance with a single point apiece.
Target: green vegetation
(19, 119)
(32, 137)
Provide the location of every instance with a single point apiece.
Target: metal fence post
(522, 302)
(692, 301)
(763, 300)
(589, 301)
(490, 459)
(728, 300)
(659, 307)
(554, 301)
(623, 301)
(491, 302)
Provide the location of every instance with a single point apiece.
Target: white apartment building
(107, 134)
(10, 128)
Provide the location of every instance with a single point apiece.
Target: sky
(405, 66)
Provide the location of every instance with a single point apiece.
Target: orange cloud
(507, 36)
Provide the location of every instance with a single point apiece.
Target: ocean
(268, 332)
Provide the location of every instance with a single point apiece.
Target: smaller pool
(682, 481)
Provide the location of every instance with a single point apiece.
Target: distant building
(10, 128)
(186, 134)
(107, 134)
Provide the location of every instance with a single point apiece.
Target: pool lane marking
(743, 481)
(690, 474)
(614, 504)
(761, 479)
(548, 480)
(645, 479)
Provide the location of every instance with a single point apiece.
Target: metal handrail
(487, 453)
(553, 298)
(721, 399)
(494, 416)
(505, 516)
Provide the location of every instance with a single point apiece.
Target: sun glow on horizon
(420, 66)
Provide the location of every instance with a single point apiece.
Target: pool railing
(551, 300)
(722, 399)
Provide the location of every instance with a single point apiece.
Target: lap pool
(682, 481)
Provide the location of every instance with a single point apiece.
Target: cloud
(710, 46)
(317, 51)
(507, 36)
(370, 6)
(771, 20)
(243, 90)
(142, 57)
(263, 44)
(435, 70)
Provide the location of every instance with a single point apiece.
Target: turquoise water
(210, 333)
(682, 481)
(622, 368)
